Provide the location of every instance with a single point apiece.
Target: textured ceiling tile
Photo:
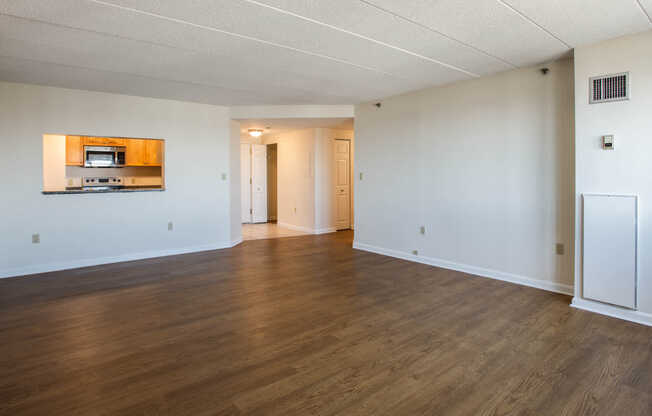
(30, 40)
(248, 19)
(646, 6)
(581, 22)
(372, 22)
(290, 51)
(485, 24)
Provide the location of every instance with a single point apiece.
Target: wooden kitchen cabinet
(135, 152)
(142, 152)
(103, 141)
(153, 152)
(74, 151)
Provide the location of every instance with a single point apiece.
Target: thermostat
(608, 142)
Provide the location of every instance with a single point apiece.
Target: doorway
(259, 173)
(296, 177)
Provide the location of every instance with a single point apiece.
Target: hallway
(267, 230)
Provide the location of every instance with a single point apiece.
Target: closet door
(342, 184)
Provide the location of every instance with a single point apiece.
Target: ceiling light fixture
(255, 132)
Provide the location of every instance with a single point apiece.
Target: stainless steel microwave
(104, 156)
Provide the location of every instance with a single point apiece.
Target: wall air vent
(607, 88)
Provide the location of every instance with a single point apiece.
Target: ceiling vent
(607, 88)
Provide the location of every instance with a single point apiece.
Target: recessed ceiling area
(276, 52)
(280, 125)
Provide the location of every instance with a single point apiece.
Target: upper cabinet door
(135, 154)
(74, 151)
(153, 153)
(144, 152)
(103, 141)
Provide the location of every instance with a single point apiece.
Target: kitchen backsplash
(133, 176)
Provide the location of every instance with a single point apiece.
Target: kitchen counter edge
(101, 191)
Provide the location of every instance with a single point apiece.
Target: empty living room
(304, 207)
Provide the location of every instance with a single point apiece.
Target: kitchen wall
(484, 165)
(79, 230)
(627, 169)
(54, 161)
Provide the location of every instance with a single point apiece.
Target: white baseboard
(613, 311)
(295, 227)
(75, 264)
(478, 271)
(306, 229)
(236, 242)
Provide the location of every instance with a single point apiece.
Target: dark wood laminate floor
(303, 326)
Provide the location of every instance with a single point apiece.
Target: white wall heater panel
(610, 249)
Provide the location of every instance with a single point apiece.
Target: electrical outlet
(559, 249)
(415, 252)
(36, 238)
(170, 226)
(422, 229)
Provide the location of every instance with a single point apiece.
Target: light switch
(224, 176)
(608, 142)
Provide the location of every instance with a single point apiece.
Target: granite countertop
(54, 191)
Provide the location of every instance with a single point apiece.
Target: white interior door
(259, 183)
(245, 181)
(342, 184)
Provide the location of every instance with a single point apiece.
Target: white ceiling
(244, 52)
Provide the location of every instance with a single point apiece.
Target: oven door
(99, 156)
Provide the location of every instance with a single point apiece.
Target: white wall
(291, 111)
(296, 177)
(246, 138)
(484, 164)
(235, 180)
(90, 229)
(628, 168)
